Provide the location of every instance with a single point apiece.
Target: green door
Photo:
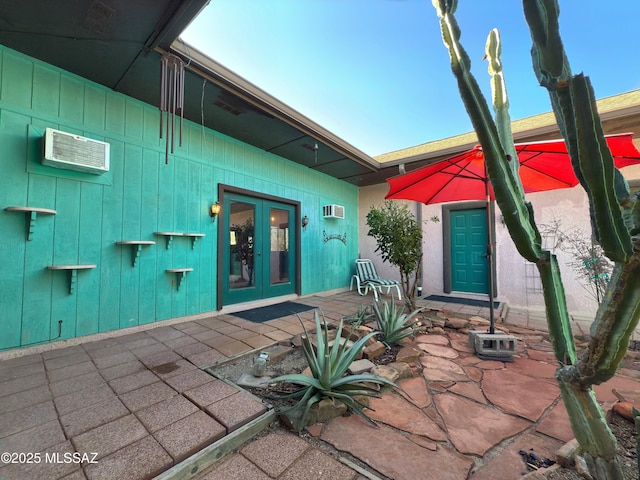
(259, 249)
(469, 269)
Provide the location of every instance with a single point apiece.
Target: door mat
(466, 301)
(264, 314)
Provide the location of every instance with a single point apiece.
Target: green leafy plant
(394, 324)
(329, 364)
(614, 211)
(399, 239)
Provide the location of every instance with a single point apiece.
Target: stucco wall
(140, 195)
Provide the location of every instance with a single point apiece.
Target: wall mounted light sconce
(214, 211)
(305, 222)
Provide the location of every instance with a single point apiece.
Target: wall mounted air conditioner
(333, 211)
(73, 152)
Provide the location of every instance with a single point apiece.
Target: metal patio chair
(367, 278)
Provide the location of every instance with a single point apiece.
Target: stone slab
(275, 452)
(438, 369)
(439, 350)
(209, 393)
(236, 467)
(469, 390)
(316, 464)
(148, 395)
(397, 412)
(110, 437)
(417, 392)
(519, 394)
(85, 419)
(392, 453)
(236, 410)
(160, 415)
(556, 423)
(25, 398)
(141, 460)
(509, 460)
(188, 435)
(26, 418)
(474, 428)
(189, 380)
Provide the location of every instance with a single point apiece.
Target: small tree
(399, 238)
(588, 261)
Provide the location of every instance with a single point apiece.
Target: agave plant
(394, 324)
(359, 318)
(329, 364)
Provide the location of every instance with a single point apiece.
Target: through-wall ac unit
(73, 152)
(333, 211)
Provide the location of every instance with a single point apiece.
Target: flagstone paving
(144, 404)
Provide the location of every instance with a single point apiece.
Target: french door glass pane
(279, 261)
(241, 237)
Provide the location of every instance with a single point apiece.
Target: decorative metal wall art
(334, 236)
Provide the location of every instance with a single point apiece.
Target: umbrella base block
(493, 346)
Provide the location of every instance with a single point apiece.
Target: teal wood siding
(140, 195)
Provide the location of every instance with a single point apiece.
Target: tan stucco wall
(570, 206)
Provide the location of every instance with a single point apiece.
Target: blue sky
(376, 73)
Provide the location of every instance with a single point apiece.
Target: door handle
(259, 253)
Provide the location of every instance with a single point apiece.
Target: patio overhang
(119, 44)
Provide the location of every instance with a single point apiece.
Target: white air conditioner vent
(73, 152)
(333, 211)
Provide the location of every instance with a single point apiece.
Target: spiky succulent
(393, 324)
(329, 365)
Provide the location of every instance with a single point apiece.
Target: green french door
(469, 266)
(259, 249)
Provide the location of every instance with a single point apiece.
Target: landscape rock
(361, 366)
(403, 369)
(625, 410)
(374, 351)
(409, 354)
(566, 453)
(456, 323)
(386, 371)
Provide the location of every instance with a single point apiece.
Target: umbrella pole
(489, 256)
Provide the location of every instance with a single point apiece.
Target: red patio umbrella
(543, 166)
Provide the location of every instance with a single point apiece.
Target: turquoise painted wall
(137, 197)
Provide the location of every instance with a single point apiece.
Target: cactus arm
(573, 103)
(514, 209)
(557, 315)
(596, 165)
(611, 331)
(596, 440)
(493, 49)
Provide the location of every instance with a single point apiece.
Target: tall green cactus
(615, 216)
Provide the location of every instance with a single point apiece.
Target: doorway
(259, 248)
(465, 248)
